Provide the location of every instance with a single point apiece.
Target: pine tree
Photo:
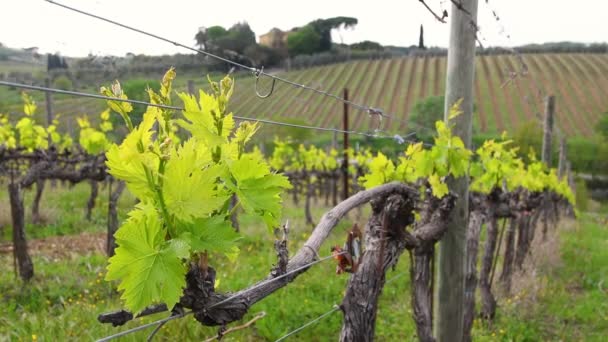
(421, 39)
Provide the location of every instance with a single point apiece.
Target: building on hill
(275, 39)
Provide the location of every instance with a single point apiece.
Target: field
(564, 299)
(395, 85)
(505, 100)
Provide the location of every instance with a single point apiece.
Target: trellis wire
(309, 323)
(263, 283)
(256, 71)
(322, 316)
(236, 117)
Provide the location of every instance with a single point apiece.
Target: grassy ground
(564, 299)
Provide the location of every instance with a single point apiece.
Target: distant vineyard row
(503, 102)
(580, 82)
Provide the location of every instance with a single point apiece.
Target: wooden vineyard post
(345, 129)
(546, 154)
(548, 129)
(335, 176)
(49, 103)
(448, 322)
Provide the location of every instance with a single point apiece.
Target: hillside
(394, 85)
(580, 82)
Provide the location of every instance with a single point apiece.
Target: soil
(62, 247)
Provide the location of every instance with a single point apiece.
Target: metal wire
(142, 327)
(293, 332)
(238, 294)
(257, 72)
(236, 117)
(334, 309)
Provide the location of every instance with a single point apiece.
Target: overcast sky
(26, 23)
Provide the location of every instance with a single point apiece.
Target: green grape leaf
(438, 187)
(190, 191)
(128, 161)
(150, 269)
(201, 119)
(212, 234)
(29, 106)
(381, 171)
(258, 191)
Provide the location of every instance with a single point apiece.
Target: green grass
(67, 293)
(64, 208)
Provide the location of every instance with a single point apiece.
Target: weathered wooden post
(345, 129)
(448, 323)
(546, 154)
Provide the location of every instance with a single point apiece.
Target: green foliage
(447, 157)
(286, 132)
(528, 137)
(136, 89)
(262, 55)
(323, 27)
(305, 41)
(496, 164)
(67, 294)
(426, 112)
(582, 196)
(148, 265)
(217, 39)
(602, 126)
(588, 155)
(239, 37)
(92, 140)
(63, 82)
(184, 189)
(216, 32)
(26, 132)
(367, 45)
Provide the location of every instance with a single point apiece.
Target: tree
(426, 112)
(242, 36)
(216, 32)
(305, 41)
(528, 137)
(367, 45)
(207, 36)
(262, 55)
(324, 26)
(201, 38)
(421, 39)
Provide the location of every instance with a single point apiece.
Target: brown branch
(238, 327)
(440, 19)
(226, 311)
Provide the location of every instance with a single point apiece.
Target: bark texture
(384, 243)
(242, 300)
(421, 244)
(92, 197)
(476, 220)
(488, 302)
(23, 261)
(509, 258)
(113, 215)
(36, 218)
